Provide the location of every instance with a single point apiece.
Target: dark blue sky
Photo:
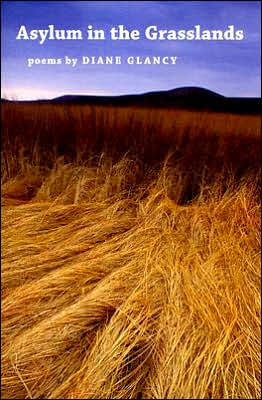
(231, 68)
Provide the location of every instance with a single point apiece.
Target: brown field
(130, 253)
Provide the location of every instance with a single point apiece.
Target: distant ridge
(188, 97)
(188, 92)
(191, 91)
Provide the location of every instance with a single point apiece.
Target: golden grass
(118, 281)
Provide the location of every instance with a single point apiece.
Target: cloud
(26, 93)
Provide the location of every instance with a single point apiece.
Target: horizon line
(16, 97)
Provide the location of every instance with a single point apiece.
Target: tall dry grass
(130, 256)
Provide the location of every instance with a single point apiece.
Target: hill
(191, 98)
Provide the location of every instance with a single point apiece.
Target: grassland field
(130, 253)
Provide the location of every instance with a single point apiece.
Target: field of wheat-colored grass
(130, 253)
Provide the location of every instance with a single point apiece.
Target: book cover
(131, 199)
